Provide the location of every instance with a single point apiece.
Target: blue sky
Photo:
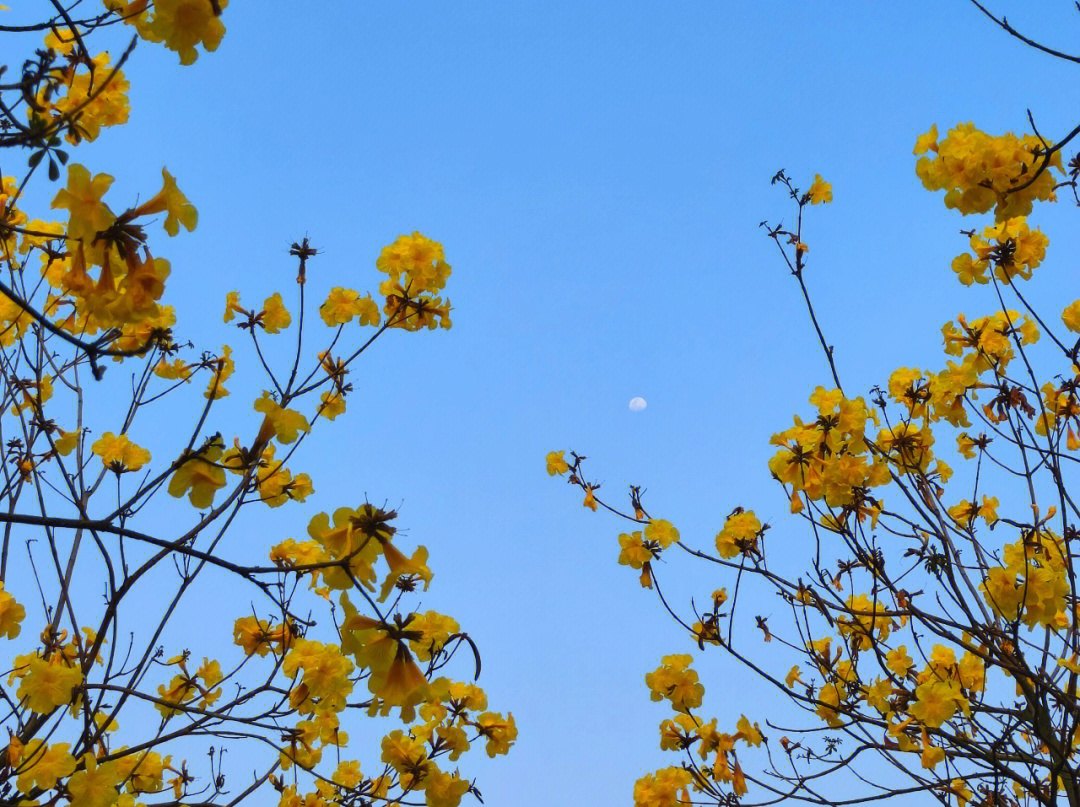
(597, 173)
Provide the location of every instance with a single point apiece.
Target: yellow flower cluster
(965, 512)
(417, 271)
(942, 688)
(92, 96)
(981, 172)
(675, 681)
(1060, 406)
(987, 341)
(199, 689)
(685, 732)
(356, 538)
(344, 305)
(866, 622)
(128, 285)
(1011, 247)
(325, 683)
(1031, 584)
(273, 317)
(638, 549)
(740, 534)
(257, 636)
(665, 788)
(828, 459)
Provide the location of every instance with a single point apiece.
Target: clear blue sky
(597, 173)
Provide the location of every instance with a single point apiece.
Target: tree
(930, 630)
(118, 688)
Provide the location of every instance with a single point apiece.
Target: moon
(637, 404)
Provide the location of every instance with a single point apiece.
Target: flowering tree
(930, 627)
(109, 696)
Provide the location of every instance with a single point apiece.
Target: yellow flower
(556, 463)
(416, 271)
(183, 24)
(120, 454)
(343, 305)
(347, 773)
(177, 369)
(32, 394)
(963, 793)
(402, 752)
(45, 685)
(94, 786)
(404, 572)
(1010, 247)
(223, 369)
(1071, 316)
(402, 684)
(444, 789)
(274, 316)
(634, 552)
(14, 751)
(333, 404)
(258, 636)
(926, 142)
(898, 661)
(82, 199)
(80, 97)
(747, 732)
(830, 698)
(200, 477)
(43, 766)
(416, 262)
(171, 200)
(937, 702)
(877, 694)
(966, 445)
(661, 532)
(500, 732)
(1001, 591)
(61, 40)
(232, 306)
(11, 614)
(280, 422)
(866, 617)
(820, 191)
(326, 670)
(932, 755)
(143, 772)
(988, 509)
(590, 499)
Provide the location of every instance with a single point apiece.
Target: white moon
(637, 404)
